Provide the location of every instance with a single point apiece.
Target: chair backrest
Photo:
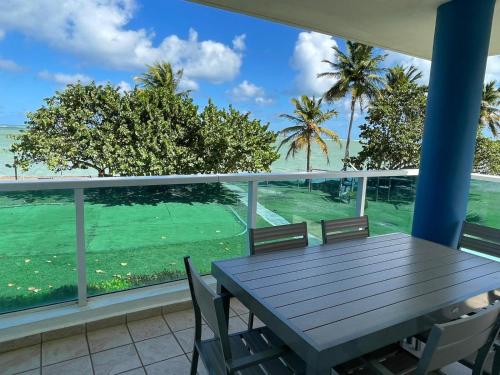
(453, 341)
(480, 238)
(209, 305)
(345, 229)
(280, 237)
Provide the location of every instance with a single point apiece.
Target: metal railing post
(361, 196)
(252, 209)
(80, 248)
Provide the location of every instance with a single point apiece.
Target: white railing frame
(78, 185)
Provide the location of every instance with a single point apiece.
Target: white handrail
(104, 182)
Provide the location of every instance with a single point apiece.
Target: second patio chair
(252, 352)
(344, 229)
(447, 343)
(480, 238)
(279, 237)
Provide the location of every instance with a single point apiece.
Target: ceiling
(405, 26)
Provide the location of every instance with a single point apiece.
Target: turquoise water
(298, 163)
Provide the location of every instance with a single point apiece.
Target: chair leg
(250, 320)
(194, 361)
(495, 370)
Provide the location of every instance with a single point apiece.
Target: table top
(331, 303)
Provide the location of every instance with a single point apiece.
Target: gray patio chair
(470, 337)
(252, 352)
(279, 237)
(480, 238)
(345, 229)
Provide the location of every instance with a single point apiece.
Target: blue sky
(255, 65)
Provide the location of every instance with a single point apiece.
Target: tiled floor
(158, 345)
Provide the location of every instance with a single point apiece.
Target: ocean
(296, 164)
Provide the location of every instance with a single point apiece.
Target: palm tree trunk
(309, 161)
(348, 142)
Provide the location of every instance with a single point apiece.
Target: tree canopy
(307, 118)
(358, 73)
(392, 134)
(147, 131)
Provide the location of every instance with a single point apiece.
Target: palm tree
(160, 74)
(357, 72)
(489, 114)
(307, 117)
(398, 74)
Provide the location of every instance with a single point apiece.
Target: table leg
(227, 299)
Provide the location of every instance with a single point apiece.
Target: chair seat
(244, 344)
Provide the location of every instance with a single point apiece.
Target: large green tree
(147, 131)
(391, 136)
(307, 118)
(358, 73)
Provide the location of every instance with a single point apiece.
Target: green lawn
(137, 237)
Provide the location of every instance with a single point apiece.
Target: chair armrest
(255, 359)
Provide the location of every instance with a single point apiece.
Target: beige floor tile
(180, 320)
(31, 372)
(238, 307)
(257, 323)
(63, 349)
(77, 366)
(114, 361)
(236, 324)
(64, 332)
(186, 337)
(158, 349)
(137, 371)
(173, 366)
(108, 338)
(147, 328)
(20, 360)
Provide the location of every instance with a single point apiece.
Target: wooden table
(335, 302)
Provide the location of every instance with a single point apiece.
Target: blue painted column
(460, 51)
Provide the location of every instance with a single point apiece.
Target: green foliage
(487, 158)
(357, 73)
(147, 131)
(489, 115)
(392, 135)
(307, 118)
(160, 75)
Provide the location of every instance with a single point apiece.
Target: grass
(138, 236)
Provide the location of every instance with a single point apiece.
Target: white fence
(80, 184)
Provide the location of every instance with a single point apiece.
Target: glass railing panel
(37, 249)
(390, 204)
(138, 236)
(484, 203)
(282, 202)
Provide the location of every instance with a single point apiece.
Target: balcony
(88, 253)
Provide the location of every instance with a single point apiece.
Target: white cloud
(64, 79)
(124, 86)
(247, 91)
(311, 49)
(97, 31)
(492, 67)
(9, 65)
(187, 84)
(2, 34)
(239, 42)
